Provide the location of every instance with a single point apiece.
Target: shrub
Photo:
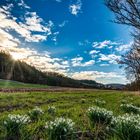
(127, 127)
(100, 102)
(60, 129)
(130, 108)
(35, 114)
(100, 115)
(51, 110)
(13, 125)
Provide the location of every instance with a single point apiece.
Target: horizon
(69, 37)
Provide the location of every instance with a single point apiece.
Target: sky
(77, 38)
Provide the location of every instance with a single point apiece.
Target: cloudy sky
(72, 37)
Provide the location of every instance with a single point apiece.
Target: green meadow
(73, 105)
(14, 84)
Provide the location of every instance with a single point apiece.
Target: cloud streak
(102, 77)
(77, 62)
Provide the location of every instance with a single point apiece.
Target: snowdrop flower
(59, 128)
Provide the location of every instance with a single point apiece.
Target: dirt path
(48, 89)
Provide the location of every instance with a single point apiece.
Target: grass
(14, 84)
(72, 104)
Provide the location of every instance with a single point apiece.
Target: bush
(13, 125)
(100, 102)
(35, 114)
(51, 110)
(60, 129)
(127, 127)
(130, 108)
(100, 115)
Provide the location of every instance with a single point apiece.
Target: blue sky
(72, 37)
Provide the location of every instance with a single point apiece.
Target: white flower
(17, 119)
(51, 109)
(39, 110)
(67, 124)
(130, 108)
(99, 115)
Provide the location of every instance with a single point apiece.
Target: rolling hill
(22, 72)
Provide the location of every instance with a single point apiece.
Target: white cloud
(106, 43)
(93, 52)
(75, 8)
(89, 63)
(33, 23)
(23, 4)
(65, 62)
(63, 23)
(7, 40)
(77, 59)
(25, 29)
(47, 63)
(77, 62)
(84, 43)
(54, 38)
(42, 61)
(103, 65)
(103, 77)
(124, 47)
(111, 58)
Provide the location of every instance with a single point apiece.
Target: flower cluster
(17, 119)
(51, 109)
(35, 113)
(100, 115)
(13, 125)
(100, 102)
(127, 126)
(39, 110)
(130, 108)
(60, 128)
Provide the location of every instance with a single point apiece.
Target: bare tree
(131, 61)
(126, 11)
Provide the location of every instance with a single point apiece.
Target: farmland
(68, 104)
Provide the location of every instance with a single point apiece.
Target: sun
(17, 56)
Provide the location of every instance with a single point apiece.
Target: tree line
(20, 71)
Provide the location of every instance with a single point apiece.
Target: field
(14, 84)
(71, 104)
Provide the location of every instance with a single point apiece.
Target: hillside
(9, 84)
(22, 72)
(115, 86)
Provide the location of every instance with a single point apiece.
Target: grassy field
(14, 84)
(72, 104)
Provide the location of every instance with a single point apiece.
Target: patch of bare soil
(49, 89)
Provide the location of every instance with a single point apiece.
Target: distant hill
(22, 72)
(92, 83)
(115, 86)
